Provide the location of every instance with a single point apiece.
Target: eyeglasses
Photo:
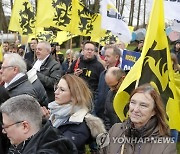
(7, 126)
(88, 49)
(4, 67)
(115, 86)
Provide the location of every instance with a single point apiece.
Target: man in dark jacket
(113, 78)
(16, 80)
(13, 71)
(22, 122)
(4, 142)
(48, 69)
(30, 55)
(88, 67)
(112, 57)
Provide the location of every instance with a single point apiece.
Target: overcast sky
(7, 9)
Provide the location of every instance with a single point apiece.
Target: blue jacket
(101, 96)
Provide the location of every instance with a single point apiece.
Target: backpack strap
(77, 64)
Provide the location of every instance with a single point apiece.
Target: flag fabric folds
(113, 21)
(51, 35)
(155, 67)
(59, 13)
(66, 15)
(83, 19)
(63, 36)
(22, 18)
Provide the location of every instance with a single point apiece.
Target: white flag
(112, 20)
(172, 9)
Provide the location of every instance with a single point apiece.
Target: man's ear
(122, 78)
(16, 69)
(117, 57)
(26, 126)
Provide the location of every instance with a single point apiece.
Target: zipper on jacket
(139, 148)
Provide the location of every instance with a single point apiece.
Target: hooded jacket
(81, 128)
(47, 141)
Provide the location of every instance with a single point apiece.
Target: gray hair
(23, 108)
(69, 51)
(116, 50)
(47, 45)
(15, 59)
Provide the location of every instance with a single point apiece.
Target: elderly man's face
(41, 51)
(110, 58)
(8, 72)
(13, 129)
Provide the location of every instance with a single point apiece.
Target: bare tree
(131, 14)
(3, 22)
(96, 6)
(144, 17)
(11, 3)
(118, 5)
(122, 6)
(138, 16)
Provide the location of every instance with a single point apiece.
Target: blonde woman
(70, 112)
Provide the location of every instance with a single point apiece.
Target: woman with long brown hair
(146, 130)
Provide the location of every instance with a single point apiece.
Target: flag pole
(137, 83)
(99, 45)
(70, 51)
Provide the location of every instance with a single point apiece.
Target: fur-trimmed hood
(95, 125)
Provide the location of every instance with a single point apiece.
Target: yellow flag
(22, 18)
(155, 67)
(82, 19)
(56, 13)
(43, 35)
(63, 36)
(66, 15)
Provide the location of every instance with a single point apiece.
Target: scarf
(59, 114)
(145, 131)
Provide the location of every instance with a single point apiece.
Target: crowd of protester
(58, 103)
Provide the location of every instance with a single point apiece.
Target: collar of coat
(78, 116)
